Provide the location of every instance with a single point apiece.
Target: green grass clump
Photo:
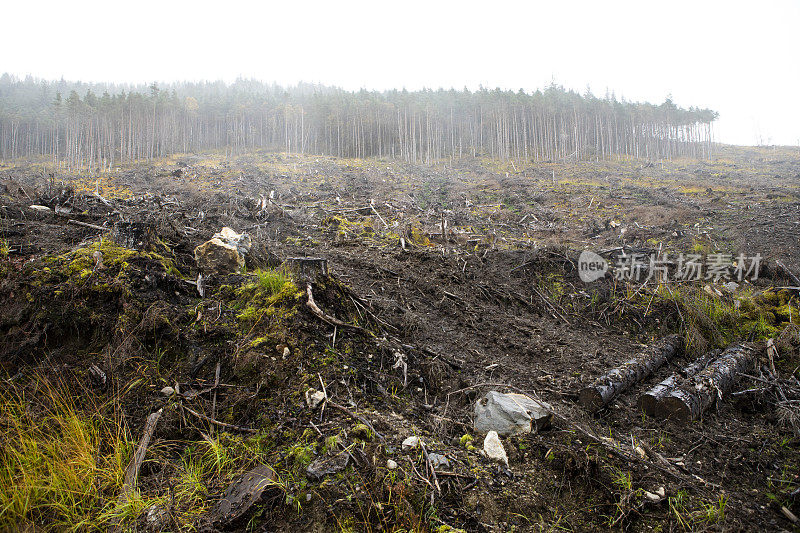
(717, 321)
(272, 294)
(61, 467)
(272, 281)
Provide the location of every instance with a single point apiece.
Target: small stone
(391, 465)
(167, 391)
(410, 443)
(286, 352)
(41, 208)
(438, 460)
(493, 448)
(314, 398)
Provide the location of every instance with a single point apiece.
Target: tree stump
(135, 235)
(306, 269)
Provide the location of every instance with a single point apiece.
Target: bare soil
(497, 305)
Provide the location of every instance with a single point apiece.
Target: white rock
(314, 398)
(41, 208)
(286, 352)
(242, 241)
(493, 448)
(391, 465)
(223, 253)
(167, 391)
(410, 443)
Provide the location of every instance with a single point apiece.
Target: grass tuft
(59, 465)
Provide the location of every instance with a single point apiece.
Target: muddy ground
(496, 305)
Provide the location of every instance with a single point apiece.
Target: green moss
(721, 320)
(362, 432)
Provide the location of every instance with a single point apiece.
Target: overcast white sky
(739, 58)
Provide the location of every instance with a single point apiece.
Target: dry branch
(132, 472)
(219, 423)
(86, 225)
(319, 313)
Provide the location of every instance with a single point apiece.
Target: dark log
(607, 387)
(650, 401)
(690, 400)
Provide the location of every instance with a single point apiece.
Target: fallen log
(650, 401)
(689, 401)
(609, 386)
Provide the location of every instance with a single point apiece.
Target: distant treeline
(80, 124)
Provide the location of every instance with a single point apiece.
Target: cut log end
(675, 408)
(591, 399)
(649, 404)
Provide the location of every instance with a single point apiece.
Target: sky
(741, 59)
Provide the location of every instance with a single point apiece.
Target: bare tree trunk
(650, 401)
(607, 387)
(688, 402)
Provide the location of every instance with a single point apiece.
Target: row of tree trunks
(698, 393)
(620, 379)
(650, 401)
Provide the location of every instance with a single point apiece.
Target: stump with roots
(135, 235)
(306, 269)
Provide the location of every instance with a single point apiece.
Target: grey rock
(731, 286)
(510, 414)
(438, 460)
(328, 465)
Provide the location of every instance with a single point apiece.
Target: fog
(738, 58)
